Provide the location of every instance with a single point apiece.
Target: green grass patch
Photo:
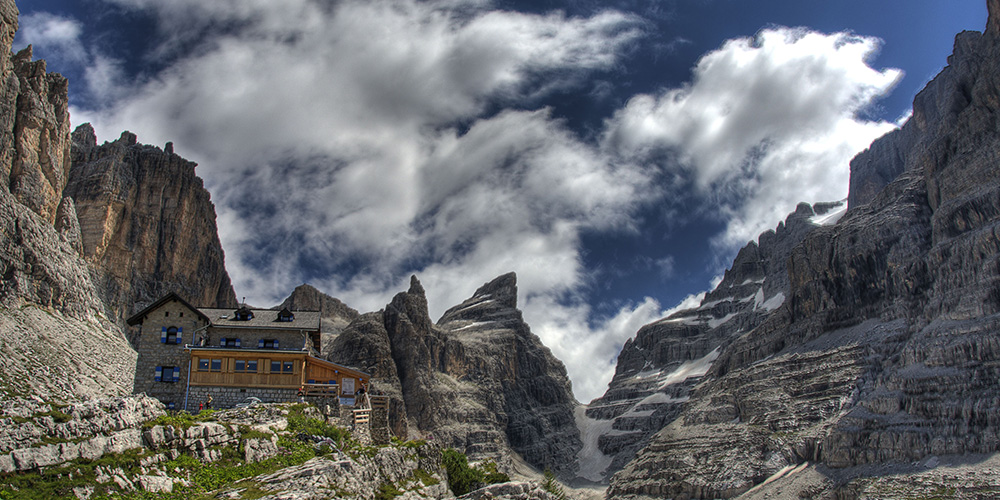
(425, 477)
(58, 416)
(387, 491)
(181, 419)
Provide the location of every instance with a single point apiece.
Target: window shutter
(237, 342)
(180, 335)
(177, 373)
(163, 335)
(159, 374)
(260, 344)
(275, 343)
(222, 341)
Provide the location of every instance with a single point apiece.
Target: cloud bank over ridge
(353, 144)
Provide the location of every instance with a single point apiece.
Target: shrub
(461, 478)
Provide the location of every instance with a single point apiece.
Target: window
(252, 366)
(216, 365)
(243, 314)
(240, 366)
(275, 366)
(167, 374)
(166, 314)
(171, 335)
(203, 365)
(286, 367)
(286, 316)
(267, 343)
(229, 342)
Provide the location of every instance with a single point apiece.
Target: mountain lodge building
(189, 354)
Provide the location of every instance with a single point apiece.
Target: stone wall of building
(153, 353)
(227, 397)
(249, 337)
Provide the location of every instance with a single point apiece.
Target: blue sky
(614, 155)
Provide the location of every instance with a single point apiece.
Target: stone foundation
(227, 397)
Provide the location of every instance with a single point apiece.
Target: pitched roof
(330, 364)
(137, 318)
(262, 318)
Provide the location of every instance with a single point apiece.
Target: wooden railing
(362, 416)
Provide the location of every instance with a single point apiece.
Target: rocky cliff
(478, 380)
(147, 223)
(883, 352)
(87, 233)
(657, 369)
(56, 339)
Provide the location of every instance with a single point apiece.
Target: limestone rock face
(885, 350)
(657, 369)
(41, 128)
(520, 381)
(147, 223)
(478, 380)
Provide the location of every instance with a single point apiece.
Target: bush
(462, 479)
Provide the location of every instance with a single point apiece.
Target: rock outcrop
(883, 352)
(478, 380)
(147, 223)
(657, 369)
(335, 315)
(40, 166)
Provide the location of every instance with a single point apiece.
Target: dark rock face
(364, 344)
(526, 386)
(657, 370)
(147, 223)
(335, 315)
(478, 380)
(885, 351)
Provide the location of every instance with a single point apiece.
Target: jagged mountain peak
(492, 305)
(84, 136)
(306, 297)
(502, 289)
(415, 287)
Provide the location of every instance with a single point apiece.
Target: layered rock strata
(884, 352)
(657, 369)
(147, 223)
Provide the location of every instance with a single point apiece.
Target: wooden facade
(263, 368)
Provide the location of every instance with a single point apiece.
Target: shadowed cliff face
(147, 222)
(478, 380)
(885, 350)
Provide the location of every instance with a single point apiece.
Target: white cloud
(54, 34)
(767, 122)
(353, 143)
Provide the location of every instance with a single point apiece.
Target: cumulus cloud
(49, 31)
(351, 144)
(766, 122)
